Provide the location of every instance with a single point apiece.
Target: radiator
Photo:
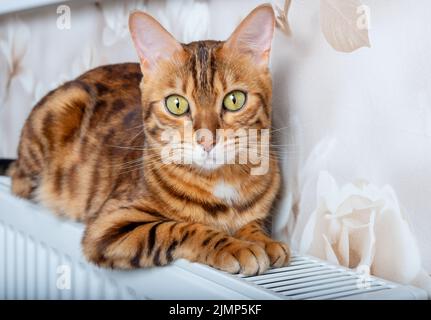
(40, 258)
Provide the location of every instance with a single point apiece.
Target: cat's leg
(133, 237)
(26, 170)
(278, 252)
(22, 183)
(52, 124)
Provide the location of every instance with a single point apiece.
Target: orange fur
(90, 150)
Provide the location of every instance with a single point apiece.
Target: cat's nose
(207, 143)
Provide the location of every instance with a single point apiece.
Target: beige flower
(362, 226)
(344, 23)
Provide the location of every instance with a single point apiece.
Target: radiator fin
(32, 270)
(308, 278)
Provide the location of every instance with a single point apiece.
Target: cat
(90, 150)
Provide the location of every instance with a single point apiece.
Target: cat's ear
(254, 34)
(152, 42)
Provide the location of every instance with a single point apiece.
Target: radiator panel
(308, 278)
(41, 258)
(33, 270)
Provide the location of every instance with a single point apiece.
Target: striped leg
(22, 183)
(133, 237)
(278, 252)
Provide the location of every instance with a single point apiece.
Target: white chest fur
(226, 192)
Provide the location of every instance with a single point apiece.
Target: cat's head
(215, 90)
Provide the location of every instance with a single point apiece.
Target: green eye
(177, 104)
(234, 100)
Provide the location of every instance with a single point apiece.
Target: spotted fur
(87, 152)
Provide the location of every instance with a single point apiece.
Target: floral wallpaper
(340, 118)
(36, 56)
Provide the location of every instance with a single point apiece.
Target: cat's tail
(5, 165)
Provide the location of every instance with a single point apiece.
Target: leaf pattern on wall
(86, 60)
(32, 86)
(187, 20)
(282, 21)
(13, 48)
(116, 15)
(352, 223)
(342, 25)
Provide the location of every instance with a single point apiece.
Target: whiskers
(142, 155)
(261, 147)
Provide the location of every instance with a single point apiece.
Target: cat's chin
(208, 165)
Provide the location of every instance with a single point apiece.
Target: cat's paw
(278, 253)
(241, 257)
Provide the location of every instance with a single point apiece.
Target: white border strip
(10, 6)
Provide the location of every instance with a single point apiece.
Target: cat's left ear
(152, 42)
(254, 34)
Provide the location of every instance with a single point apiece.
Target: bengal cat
(91, 150)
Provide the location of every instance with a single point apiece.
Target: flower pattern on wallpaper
(187, 20)
(86, 60)
(360, 225)
(13, 48)
(282, 20)
(116, 16)
(344, 23)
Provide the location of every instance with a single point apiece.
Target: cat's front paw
(278, 253)
(241, 257)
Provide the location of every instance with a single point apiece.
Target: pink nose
(206, 143)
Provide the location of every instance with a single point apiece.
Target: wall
(364, 115)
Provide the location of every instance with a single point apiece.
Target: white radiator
(40, 258)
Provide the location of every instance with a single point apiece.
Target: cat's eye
(176, 104)
(234, 100)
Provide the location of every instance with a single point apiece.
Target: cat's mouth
(208, 160)
(196, 156)
(224, 152)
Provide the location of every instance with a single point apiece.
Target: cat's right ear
(152, 42)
